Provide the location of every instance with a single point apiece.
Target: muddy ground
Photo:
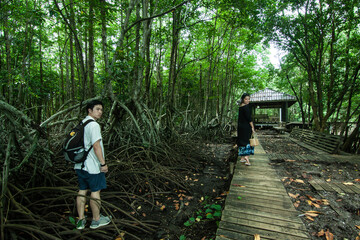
(193, 213)
(336, 215)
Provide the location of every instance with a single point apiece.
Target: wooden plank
(315, 185)
(275, 186)
(264, 230)
(336, 188)
(232, 216)
(355, 188)
(324, 185)
(258, 192)
(257, 201)
(274, 225)
(290, 216)
(271, 197)
(344, 187)
(224, 234)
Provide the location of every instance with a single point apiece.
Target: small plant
(209, 211)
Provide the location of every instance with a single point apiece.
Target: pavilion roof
(269, 98)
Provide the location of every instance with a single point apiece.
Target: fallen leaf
(294, 195)
(298, 181)
(311, 198)
(186, 204)
(310, 218)
(329, 235)
(311, 214)
(348, 183)
(238, 185)
(144, 214)
(289, 160)
(162, 207)
(328, 180)
(296, 204)
(120, 237)
(256, 237)
(358, 227)
(357, 180)
(321, 233)
(176, 206)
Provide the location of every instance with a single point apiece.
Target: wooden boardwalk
(259, 204)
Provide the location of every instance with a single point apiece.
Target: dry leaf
(293, 195)
(120, 237)
(176, 206)
(316, 205)
(310, 218)
(311, 198)
(296, 204)
(162, 207)
(328, 180)
(329, 235)
(357, 180)
(298, 181)
(203, 238)
(311, 214)
(289, 160)
(348, 183)
(321, 233)
(238, 185)
(256, 237)
(186, 204)
(358, 227)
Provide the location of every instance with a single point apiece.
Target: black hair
(244, 96)
(92, 104)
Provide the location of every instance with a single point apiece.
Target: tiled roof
(268, 95)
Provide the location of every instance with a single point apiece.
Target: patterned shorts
(246, 151)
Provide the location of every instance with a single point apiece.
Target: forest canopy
(167, 71)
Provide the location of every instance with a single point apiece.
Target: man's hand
(104, 169)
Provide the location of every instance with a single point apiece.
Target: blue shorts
(94, 182)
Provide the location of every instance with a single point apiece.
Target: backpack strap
(87, 152)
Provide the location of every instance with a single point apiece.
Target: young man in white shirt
(92, 175)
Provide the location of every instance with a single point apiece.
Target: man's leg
(95, 205)
(80, 203)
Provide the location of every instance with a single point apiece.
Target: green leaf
(209, 210)
(239, 198)
(182, 237)
(216, 207)
(188, 223)
(72, 220)
(217, 214)
(209, 216)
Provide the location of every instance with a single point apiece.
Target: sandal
(248, 164)
(242, 160)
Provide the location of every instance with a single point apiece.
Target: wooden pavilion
(270, 99)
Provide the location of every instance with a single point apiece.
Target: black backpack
(74, 149)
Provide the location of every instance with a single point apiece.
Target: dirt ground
(335, 214)
(193, 214)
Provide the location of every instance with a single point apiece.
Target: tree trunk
(91, 49)
(146, 47)
(173, 58)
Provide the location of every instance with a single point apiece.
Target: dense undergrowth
(39, 187)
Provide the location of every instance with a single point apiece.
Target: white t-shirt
(92, 133)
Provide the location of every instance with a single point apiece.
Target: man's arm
(99, 154)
